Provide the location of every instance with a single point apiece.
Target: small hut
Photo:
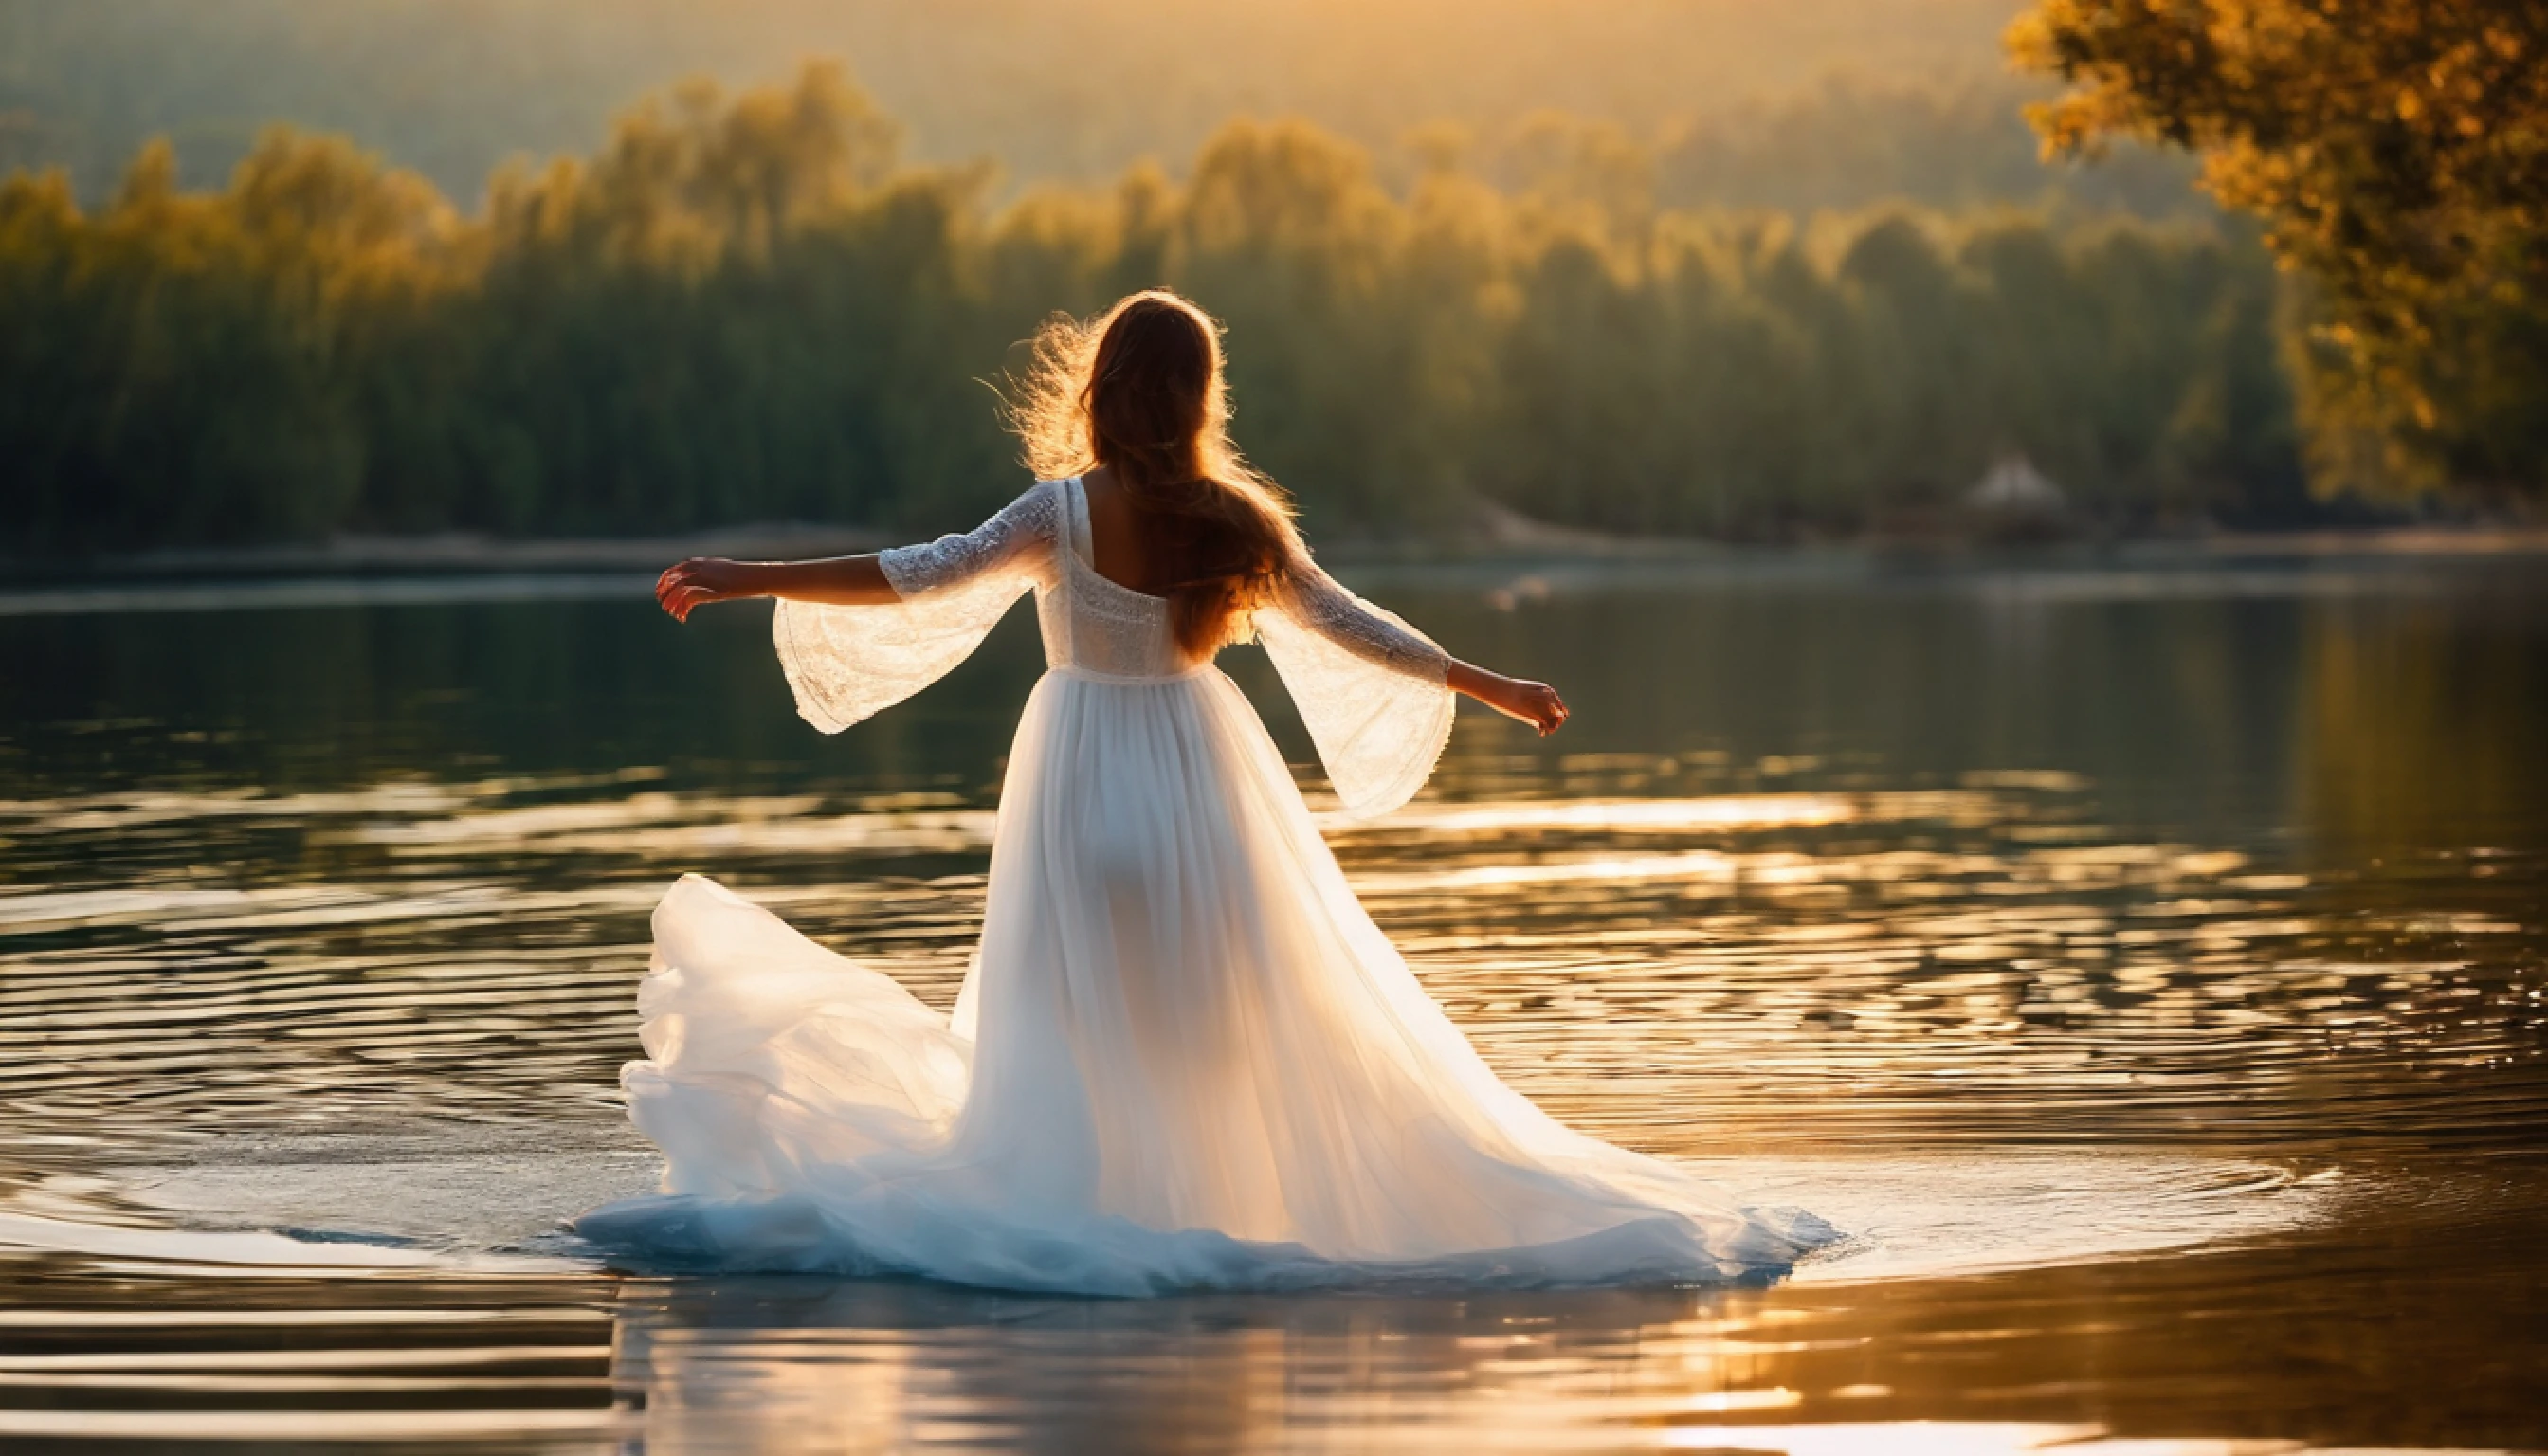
(2014, 487)
(2013, 501)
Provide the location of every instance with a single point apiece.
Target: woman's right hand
(699, 581)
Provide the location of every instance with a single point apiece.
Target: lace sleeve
(1322, 604)
(1369, 687)
(850, 663)
(1023, 532)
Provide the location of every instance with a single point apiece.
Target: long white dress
(1185, 1057)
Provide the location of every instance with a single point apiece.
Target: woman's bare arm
(1535, 704)
(840, 581)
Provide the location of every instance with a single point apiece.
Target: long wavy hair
(1138, 389)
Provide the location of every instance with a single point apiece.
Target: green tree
(750, 307)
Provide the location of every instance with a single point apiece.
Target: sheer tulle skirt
(1185, 1057)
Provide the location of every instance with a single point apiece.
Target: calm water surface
(2149, 966)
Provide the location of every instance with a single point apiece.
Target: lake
(2145, 960)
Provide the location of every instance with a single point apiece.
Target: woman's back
(1094, 623)
(1126, 544)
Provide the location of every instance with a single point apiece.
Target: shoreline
(448, 570)
(457, 554)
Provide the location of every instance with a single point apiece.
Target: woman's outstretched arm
(840, 581)
(1535, 704)
(1315, 601)
(1023, 526)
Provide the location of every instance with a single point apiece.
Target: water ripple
(1698, 976)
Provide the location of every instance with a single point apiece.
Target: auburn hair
(1138, 389)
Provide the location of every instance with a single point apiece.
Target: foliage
(750, 308)
(2398, 150)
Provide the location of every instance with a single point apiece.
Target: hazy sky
(1049, 89)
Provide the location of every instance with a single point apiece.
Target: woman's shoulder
(1034, 517)
(1039, 502)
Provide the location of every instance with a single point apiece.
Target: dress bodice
(1093, 625)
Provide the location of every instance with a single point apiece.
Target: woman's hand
(699, 581)
(1535, 704)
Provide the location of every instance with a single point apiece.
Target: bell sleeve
(846, 663)
(1369, 687)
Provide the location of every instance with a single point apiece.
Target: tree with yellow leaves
(2397, 150)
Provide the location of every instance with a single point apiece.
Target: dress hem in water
(1112, 1257)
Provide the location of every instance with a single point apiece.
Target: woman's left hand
(699, 581)
(1535, 704)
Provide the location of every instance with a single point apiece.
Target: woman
(1184, 1056)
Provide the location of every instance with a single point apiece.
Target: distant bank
(1503, 540)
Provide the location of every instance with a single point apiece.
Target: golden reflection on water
(2192, 1102)
(2187, 1354)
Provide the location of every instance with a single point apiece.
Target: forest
(749, 306)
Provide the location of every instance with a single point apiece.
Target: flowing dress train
(1185, 1057)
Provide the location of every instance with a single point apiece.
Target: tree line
(747, 307)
